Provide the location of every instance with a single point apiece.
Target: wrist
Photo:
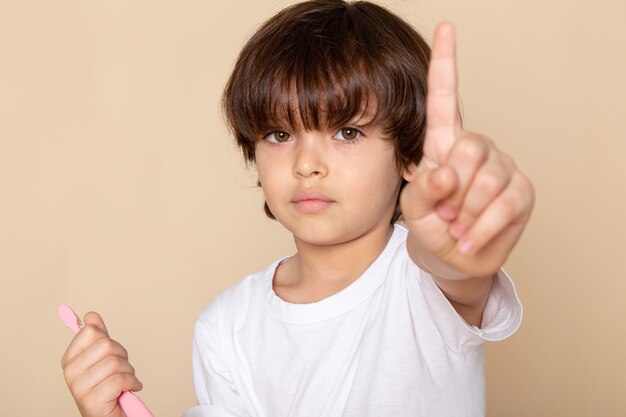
(431, 264)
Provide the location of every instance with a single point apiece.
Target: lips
(311, 201)
(304, 195)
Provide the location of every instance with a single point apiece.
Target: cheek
(374, 179)
(272, 176)
(379, 167)
(265, 165)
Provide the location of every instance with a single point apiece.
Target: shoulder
(226, 301)
(236, 301)
(396, 252)
(398, 239)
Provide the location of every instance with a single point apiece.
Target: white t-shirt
(389, 344)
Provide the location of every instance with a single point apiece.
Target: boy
(351, 122)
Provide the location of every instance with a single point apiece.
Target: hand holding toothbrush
(97, 371)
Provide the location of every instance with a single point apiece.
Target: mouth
(311, 201)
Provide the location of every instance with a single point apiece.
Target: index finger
(442, 113)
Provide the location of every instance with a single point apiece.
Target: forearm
(467, 296)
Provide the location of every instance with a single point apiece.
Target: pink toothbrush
(130, 403)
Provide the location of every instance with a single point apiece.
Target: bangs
(311, 101)
(316, 90)
(323, 64)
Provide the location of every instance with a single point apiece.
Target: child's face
(354, 169)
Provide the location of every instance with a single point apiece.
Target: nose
(310, 157)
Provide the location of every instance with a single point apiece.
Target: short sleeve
(215, 391)
(501, 318)
(503, 312)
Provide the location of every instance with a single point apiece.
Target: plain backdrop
(122, 192)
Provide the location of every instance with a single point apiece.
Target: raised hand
(97, 370)
(466, 203)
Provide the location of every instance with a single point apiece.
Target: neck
(339, 263)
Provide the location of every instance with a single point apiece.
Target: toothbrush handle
(133, 406)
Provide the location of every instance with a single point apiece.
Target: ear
(408, 173)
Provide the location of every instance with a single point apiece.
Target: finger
(468, 154)
(84, 362)
(97, 351)
(427, 188)
(95, 319)
(115, 384)
(510, 209)
(103, 399)
(87, 336)
(442, 114)
(491, 179)
(103, 369)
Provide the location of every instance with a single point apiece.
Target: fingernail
(446, 212)
(466, 247)
(456, 230)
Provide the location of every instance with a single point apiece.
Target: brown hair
(321, 63)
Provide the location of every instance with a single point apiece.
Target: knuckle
(71, 374)
(68, 372)
(128, 368)
(509, 204)
(106, 345)
(488, 142)
(488, 183)
(87, 331)
(114, 363)
(525, 190)
(72, 385)
(508, 161)
(528, 187)
(90, 332)
(483, 140)
(64, 361)
(75, 386)
(90, 402)
(68, 375)
(470, 150)
(119, 380)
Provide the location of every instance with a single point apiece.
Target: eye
(278, 136)
(348, 134)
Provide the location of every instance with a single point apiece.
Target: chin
(321, 237)
(316, 232)
(328, 233)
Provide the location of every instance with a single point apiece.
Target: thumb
(428, 187)
(94, 319)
